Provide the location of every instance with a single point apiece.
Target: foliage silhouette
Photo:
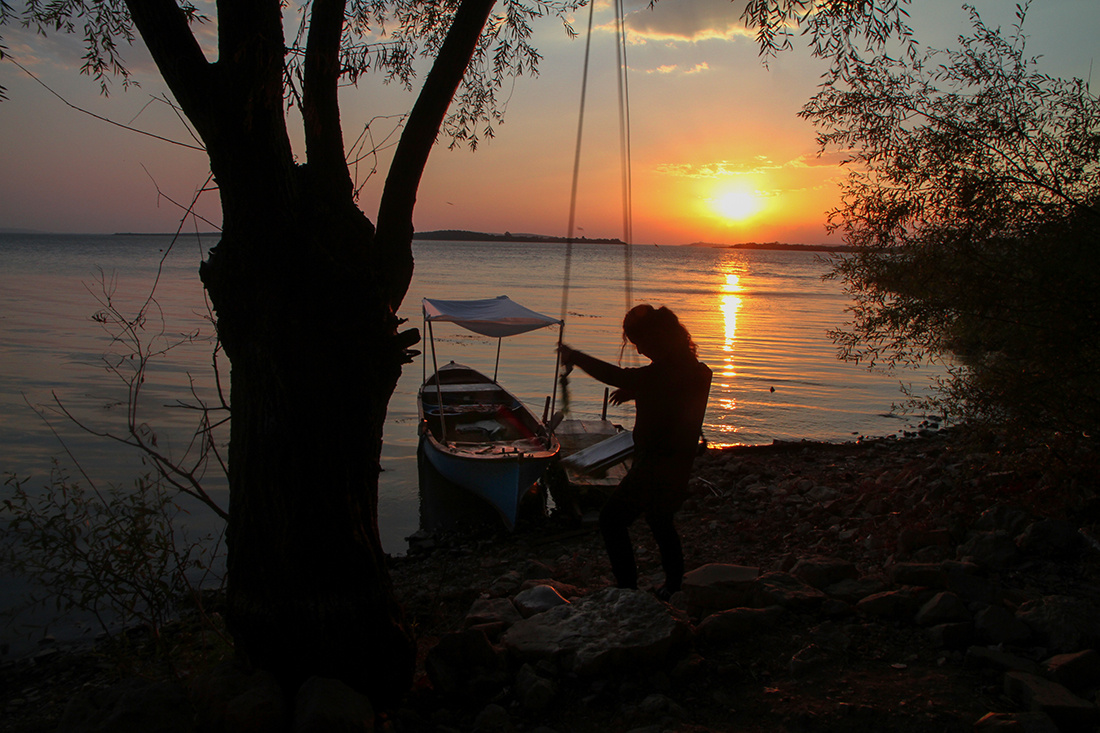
(972, 202)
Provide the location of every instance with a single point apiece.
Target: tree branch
(395, 228)
(164, 28)
(320, 102)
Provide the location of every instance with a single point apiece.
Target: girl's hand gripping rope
(566, 354)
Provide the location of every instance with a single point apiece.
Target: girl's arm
(601, 370)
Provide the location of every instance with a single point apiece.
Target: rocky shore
(901, 585)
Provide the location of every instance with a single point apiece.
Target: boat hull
(481, 438)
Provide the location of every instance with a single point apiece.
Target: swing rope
(624, 158)
(625, 175)
(624, 153)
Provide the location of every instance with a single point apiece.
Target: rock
(943, 608)
(833, 607)
(995, 550)
(1016, 723)
(689, 668)
(1064, 623)
(655, 704)
(821, 572)
(808, 658)
(895, 604)
(928, 575)
(565, 590)
(611, 629)
(1068, 711)
(1050, 538)
(493, 719)
(718, 586)
(783, 589)
(506, 585)
(329, 706)
(998, 625)
(232, 699)
(965, 580)
(911, 539)
(534, 691)
(1001, 517)
(957, 635)
(855, 590)
(132, 705)
(536, 600)
(535, 570)
(465, 665)
(980, 656)
(736, 623)
(492, 610)
(1078, 672)
(831, 637)
(822, 494)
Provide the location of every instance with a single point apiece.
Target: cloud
(726, 168)
(817, 160)
(716, 169)
(677, 69)
(688, 20)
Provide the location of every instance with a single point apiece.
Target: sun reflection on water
(730, 302)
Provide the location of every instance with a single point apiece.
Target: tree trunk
(315, 358)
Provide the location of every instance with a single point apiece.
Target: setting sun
(736, 205)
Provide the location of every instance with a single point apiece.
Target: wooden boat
(473, 431)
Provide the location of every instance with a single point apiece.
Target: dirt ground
(750, 506)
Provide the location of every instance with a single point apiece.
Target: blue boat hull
(481, 438)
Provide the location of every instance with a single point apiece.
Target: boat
(473, 431)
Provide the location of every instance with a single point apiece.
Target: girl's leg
(672, 551)
(615, 519)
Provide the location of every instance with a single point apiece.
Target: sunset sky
(719, 154)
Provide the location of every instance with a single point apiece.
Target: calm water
(759, 319)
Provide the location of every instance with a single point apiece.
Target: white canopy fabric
(496, 317)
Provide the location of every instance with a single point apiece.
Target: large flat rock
(607, 630)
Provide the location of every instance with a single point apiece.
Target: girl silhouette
(670, 397)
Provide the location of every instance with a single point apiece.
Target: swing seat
(596, 459)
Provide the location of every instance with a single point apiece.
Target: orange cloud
(677, 69)
(758, 164)
(694, 21)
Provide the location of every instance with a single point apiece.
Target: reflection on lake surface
(729, 303)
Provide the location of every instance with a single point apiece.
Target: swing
(595, 460)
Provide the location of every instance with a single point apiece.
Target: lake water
(759, 317)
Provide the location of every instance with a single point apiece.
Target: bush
(114, 553)
(973, 208)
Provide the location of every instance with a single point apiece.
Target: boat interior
(479, 414)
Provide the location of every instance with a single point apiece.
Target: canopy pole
(557, 368)
(438, 385)
(496, 366)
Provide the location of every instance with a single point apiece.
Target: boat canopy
(496, 317)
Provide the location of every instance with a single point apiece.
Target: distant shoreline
(461, 235)
(779, 246)
(458, 235)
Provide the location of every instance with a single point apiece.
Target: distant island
(460, 235)
(456, 235)
(778, 246)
